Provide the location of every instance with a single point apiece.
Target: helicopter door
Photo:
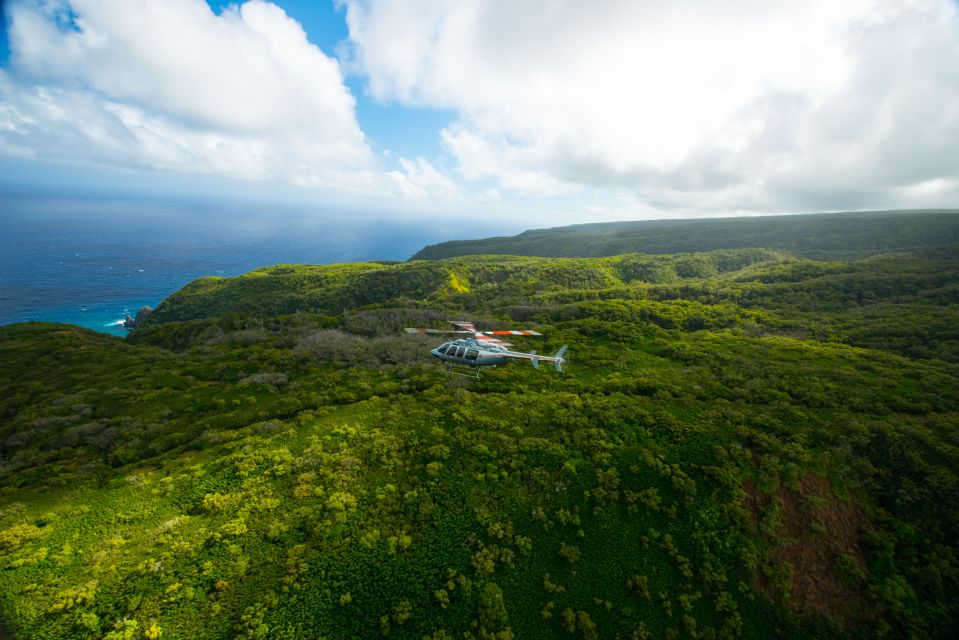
(471, 354)
(460, 351)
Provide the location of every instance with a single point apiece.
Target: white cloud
(419, 179)
(691, 105)
(170, 85)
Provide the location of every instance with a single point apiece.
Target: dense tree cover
(747, 444)
(819, 236)
(903, 302)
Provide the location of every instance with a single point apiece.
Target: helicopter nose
(436, 352)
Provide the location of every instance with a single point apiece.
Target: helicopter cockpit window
(444, 348)
(471, 354)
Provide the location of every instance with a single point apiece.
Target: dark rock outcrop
(133, 323)
(142, 315)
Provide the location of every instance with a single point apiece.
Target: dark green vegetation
(747, 444)
(838, 235)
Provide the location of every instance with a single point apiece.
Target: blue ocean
(90, 262)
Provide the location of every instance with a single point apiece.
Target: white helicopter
(482, 349)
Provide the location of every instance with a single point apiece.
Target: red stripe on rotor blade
(514, 333)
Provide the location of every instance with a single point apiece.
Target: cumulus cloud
(419, 179)
(696, 105)
(171, 85)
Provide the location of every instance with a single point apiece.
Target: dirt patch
(817, 554)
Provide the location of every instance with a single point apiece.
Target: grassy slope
(820, 235)
(270, 458)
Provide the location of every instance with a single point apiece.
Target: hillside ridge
(821, 235)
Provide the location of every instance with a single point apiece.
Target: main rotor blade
(469, 326)
(513, 333)
(481, 336)
(421, 330)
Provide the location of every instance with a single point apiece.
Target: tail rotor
(561, 359)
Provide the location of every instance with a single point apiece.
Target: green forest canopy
(748, 443)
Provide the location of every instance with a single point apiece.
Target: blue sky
(4, 45)
(491, 108)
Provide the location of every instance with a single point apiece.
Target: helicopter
(482, 349)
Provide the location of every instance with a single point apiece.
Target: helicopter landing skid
(475, 375)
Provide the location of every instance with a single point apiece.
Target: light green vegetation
(748, 444)
(824, 235)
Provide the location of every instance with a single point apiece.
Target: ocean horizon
(90, 262)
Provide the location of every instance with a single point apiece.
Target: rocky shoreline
(132, 323)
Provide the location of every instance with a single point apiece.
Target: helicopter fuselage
(486, 350)
(471, 353)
